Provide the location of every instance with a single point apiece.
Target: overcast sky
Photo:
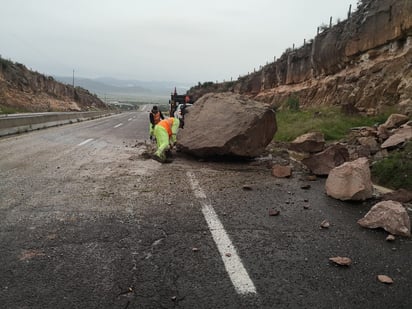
(161, 40)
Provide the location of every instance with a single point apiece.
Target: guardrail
(19, 123)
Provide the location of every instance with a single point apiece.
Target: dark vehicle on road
(177, 99)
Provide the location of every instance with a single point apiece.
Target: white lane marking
(233, 264)
(118, 125)
(85, 142)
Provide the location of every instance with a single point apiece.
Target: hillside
(22, 90)
(112, 89)
(364, 62)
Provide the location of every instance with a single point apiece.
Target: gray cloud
(178, 40)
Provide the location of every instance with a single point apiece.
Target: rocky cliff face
(364, 61)
(27, 91)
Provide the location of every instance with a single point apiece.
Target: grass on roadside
(330, 121)
(395, 171)
(8, 110)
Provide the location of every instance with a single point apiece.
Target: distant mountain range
(131, 89)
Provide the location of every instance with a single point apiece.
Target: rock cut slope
(23, 90)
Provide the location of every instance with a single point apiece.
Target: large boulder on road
(227, 124)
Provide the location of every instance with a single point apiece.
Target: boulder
(395, 120)
(400, 136)
(370, 143)
(400, 195)
(383, 133)
(309, 142)
(321, 163)
(227, 124)
(350, 181)
(389, 215)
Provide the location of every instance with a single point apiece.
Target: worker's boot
(169, 154)
(158, 159)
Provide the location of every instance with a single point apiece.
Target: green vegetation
(395, 171)
(293, 103)
(328, 120)
(9, 110)
(4, 63)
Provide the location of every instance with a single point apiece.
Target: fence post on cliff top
(330, 22)
(350, 10)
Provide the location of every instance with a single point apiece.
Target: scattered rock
(195, 249)
(273, 212)
(311, 178)
(401, 196)
(228, 254)
(306, 206)
(350, 181)
(342, 261)
(385, 279)
(247, 187)
(389, 215)
(390, 237)
(325, 224)
(30, 254)
(281, 171)
(395, 120)
(399, 137)
(382, 133)
(370, 143)
(305, 186)
(309, 142)
(321, 163)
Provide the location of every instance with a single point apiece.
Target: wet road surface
(86, 222)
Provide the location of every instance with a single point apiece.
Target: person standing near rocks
(155, 117)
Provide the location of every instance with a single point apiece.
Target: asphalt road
(86, 222)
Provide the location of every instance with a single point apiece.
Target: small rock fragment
(385, 279)
(325, 224)
(228, 254)
(173, 298)
(280, 171)
(390, 237)
(305, 186)
(195, 249)
(247, 188)
(306, 206)
(311, 178)
(273, 212)
(342, 261)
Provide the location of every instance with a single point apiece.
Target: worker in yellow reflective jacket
(165, 132)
